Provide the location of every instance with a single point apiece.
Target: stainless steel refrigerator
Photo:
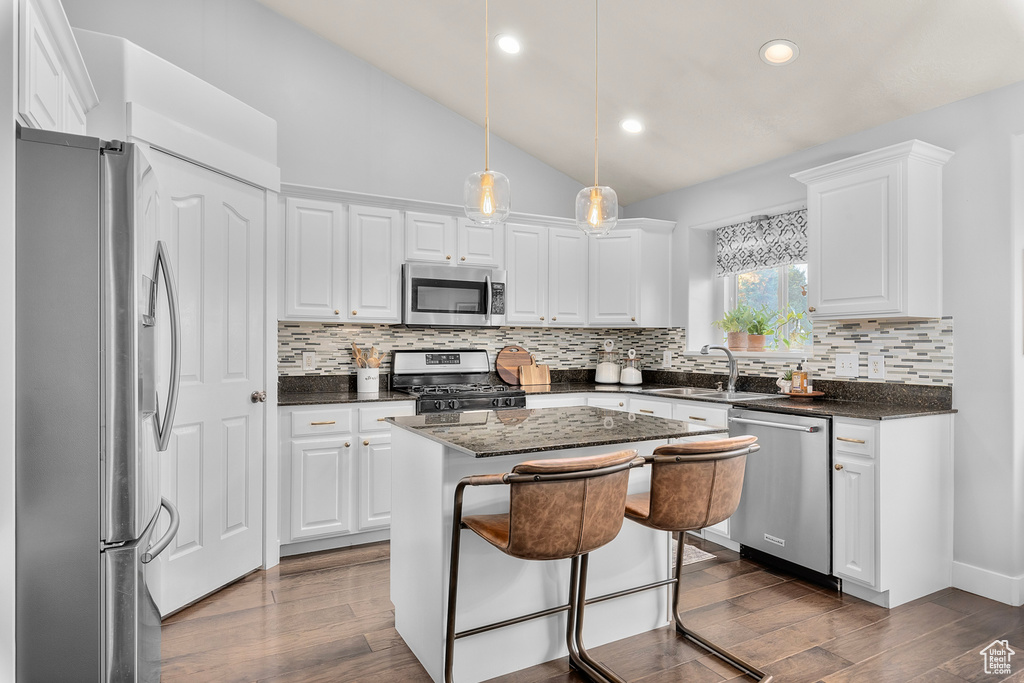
(95, 300)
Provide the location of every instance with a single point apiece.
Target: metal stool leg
(453, 582)
(578, 654)
(718, 651)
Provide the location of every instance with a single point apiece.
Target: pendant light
(597, 208)
(486, 193)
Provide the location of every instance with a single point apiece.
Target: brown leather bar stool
(693, 486)
(558, 509)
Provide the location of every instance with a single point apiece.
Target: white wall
(981, 261)
(8, 104)
(343, 124)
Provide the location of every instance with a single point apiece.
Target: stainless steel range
(452, 381)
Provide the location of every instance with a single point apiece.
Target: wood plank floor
(327, 617)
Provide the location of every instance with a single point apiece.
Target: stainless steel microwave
(452, 296)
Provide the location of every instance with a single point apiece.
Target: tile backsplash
(916, 352)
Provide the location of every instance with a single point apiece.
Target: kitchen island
(431, 453)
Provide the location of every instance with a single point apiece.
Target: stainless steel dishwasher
(786, 508)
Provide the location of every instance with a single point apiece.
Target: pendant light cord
(487, 93)
(597, 25)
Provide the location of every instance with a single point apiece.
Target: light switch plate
(847, 365)
(876, 367)
(666, 358)
(309, 360)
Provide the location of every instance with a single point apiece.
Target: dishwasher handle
(777, 425)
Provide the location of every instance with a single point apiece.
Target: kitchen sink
(680, 392)
(734, 396)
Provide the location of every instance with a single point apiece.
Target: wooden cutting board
(508, 361)
(534, 374)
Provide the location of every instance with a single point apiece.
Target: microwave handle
(487, 284)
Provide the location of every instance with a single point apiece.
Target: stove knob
(496, 402)
(439, 404)
(510, 401)
(452, 405)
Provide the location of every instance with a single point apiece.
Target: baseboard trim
(334, 542)
(989, 584)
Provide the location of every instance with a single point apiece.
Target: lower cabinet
(853, 514)
(336, 473)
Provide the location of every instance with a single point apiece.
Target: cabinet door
(41, 81)
(705, 414)
(644, 406)
(853, 519)
(854, 244)
(429, 238)
(314, 259)
(609, 403)
(527, 256)
(614, 269)
(375, 482)
(73, 115)
(567, 276)
(374, 264)
(481, 245)
(321, 487)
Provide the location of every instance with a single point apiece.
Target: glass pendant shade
(597, 210)
(486, 198)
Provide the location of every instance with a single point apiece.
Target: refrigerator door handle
(163, 265)
(165, 540)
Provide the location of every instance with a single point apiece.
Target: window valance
(778, 240)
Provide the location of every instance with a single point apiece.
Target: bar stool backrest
(560, 508)
(696, 485)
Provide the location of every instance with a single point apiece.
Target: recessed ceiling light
(631, 125)
(507, 43)
(779, 52)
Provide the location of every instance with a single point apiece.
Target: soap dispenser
(800, 378)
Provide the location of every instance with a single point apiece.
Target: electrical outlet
(309, 360)
(847, 365)
(876, 367)
(666, 358)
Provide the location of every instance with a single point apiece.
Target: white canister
(367, 380)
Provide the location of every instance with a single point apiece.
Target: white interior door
(213, 468)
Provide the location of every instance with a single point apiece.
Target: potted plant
(734, 324)
(785, 383)
(760, 323)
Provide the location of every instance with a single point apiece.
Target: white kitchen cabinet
(555, 401)
(336, 473)
(892, 507)
(315, 254)
(321, 480)
(526, 291)
(874, 234)
(480, 245)
(567, 277)
(699, 412)
(374, 265)
(646, 406)
(609, 402)
(54, 89)
(430, 238)
(630, 275)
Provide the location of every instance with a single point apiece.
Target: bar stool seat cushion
(554, 520)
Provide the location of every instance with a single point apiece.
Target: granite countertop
(506, 432)
(308, 398)
(830, 408)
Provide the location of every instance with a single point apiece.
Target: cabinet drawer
(702, 415)
(648, 407)
(372, 419)
(607, 403)
(850, 437)
(321, 421)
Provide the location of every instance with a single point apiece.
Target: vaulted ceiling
(689, 69)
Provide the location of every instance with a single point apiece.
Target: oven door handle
(777, 425)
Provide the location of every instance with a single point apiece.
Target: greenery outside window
(782, 290)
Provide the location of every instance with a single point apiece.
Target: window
(782, 289)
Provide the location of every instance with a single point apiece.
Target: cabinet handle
(849, 440)
(366, 443)
(448, 257)
(337, 311)
(698, 419)
(354, 313)
(347, 444)
(633, 318)
(553, 318)
(325, 422)
(811, 309)
(621, 404)
(381, 419)
(542, 317)
(463, 258)
(649, 412)
(839, 466)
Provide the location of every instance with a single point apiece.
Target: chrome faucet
(733, 371)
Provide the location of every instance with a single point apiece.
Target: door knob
(258, 396)
(839, 466)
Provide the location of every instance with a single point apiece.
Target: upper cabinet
(874, 234)
(630, 275)
(547, 276)
(374, 264)
(54, 89)
(315, 250)
(455, 241)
